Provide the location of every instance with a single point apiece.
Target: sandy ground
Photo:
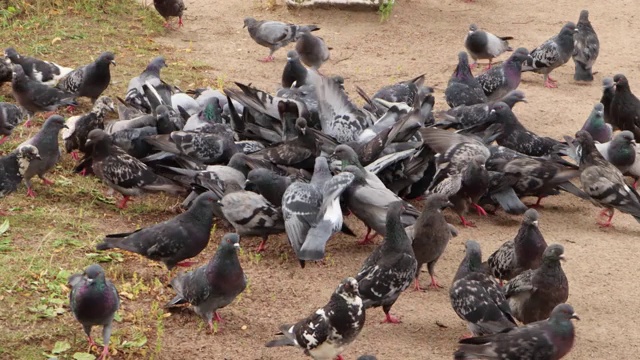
(424, 36)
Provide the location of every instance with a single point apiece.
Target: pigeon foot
(390, 319)
(30, 193)
(262, 246)
(186, 263)
(466, 223)
(480, 210)
(267, 59)
(123, 202)
(105, 353)
(434, 284)
(5, 138)
(75, 156)
(47, 181)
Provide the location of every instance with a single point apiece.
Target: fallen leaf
(55, 40)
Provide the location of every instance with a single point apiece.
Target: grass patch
(44, 240)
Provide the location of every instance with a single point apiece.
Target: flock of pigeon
(298, 161)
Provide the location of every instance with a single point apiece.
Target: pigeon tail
(582, 73)
(509, 201)
(315, 242)
(280, 342)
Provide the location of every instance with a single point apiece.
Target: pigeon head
(563, 312)
(599, 109)
(93, 274)
(438, 202)
(520, 55)
(620, 81)
(346, 154)
(514, 97)
(625, 138)
(292, 55)
(11, 54)
(96, 136)
(162, 110)
(473, 28)
(584, 138)
(531, 217)
(249, 21)
(204, 199)
(462, 70)
(260, 176)
(568, 29)
(607, 83)
(104, 104)
(348, 289)
(321, 164)
(301, 125)
(500, 108)
(157, 64)
(473, 255)
(54, 122)
(17, 71)
(107, 57)
(553, 253)
(584, 16)
(229, 242)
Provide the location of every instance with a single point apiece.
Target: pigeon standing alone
(212, 286)
(275, 34)
(484, 45)
(45, 72)
(476, 297)
(390, 268)
(586, 48)
(89, 80)
(313, 51)
(46, 140)
(549, 339)
(172, 241)
(94, 301)
(326, 333)
(552, 54)
(169, 8)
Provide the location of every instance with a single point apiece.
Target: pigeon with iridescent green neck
(596, 125)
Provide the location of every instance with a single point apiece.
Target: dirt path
(424, 36)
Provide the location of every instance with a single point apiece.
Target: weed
(386, 6)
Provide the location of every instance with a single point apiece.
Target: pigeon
(275, 34)
(368, 198)
(169, 8)
(212, 286)
(390, 268)
(625, 107)
(252, 215)
(533, 294)
(172, 241)
(477, 298)
(299, 152)
(11, 115)
(34, 96)
(122, 172)
(367, 357)
(484, 45)
(94, 301)
(463, 88)
(552, 54)
(46, 140)
(312, 212)
(89, 80)
(5, 70)
(78, 127)
(608, 92)
(620, 151)
(401, 92)
(586, 48)
(478, 115)
(431, 234)
(45, 72)
(313, 51)
(203, 148)
(499, 80)
(326, 333)
(294, 71)
(522, 253)
(596, 125)
(13, 167)
(268, 184)
(549, 339)
(135, 93)
(516, 137)
(604, 182)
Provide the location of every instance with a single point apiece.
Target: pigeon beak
(575, 316)
(303, 131)
(88, 142)
(493, 111)
(219, 203)
(38, 157)
(535, 223)
(449, 204)
(65, 126)
(244, 26)
(524, 100)
(236, 245)
(113, 62)
(563, 258)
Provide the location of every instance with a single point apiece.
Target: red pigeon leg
(186, 263)
(217, 317)
(83, 172)
(489, 66)
(466, 223)
(75, 156)
(71, 108)
(339, 357)
(390, 319)
(5, 138)
(608, 223)
(434, 284)
(417, 287)
(105, 353)
(480, 210)
(92, 343)
(47, 181)
(30, 192)
(180, 24)
(263, 245)
(267, 59)
(123, 202)
(368, 240)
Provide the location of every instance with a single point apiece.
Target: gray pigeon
(313, 51)
(326, 333)
(78, 127)
(476, 116)
(390, 268)
(533, 294)
(212, 286)
(620, 151)
(586, 48)
(252, 215)
(275, 34)
(524, 252)
(10, 116)
(45, 72)
(294, 71)
(172, 241)
(169, 8)
(608, 92)
(122, 172)
(46, 140)
(268, 184)
(36, 97)
(431, 234)
(13, 166)
(312, 211)
(368, 198)
(484, 45)
(477, 298)
(89, 80)
(549, 339)
(500, 80)
(596, 125)
(203, 148)
(94, 301)
(552, 54)
(135, 93)
(463, 88)
(604, 182)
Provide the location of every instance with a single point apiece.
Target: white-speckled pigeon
(586, 48)
(463, 88)
(78, 127)
(10, 116)
(45, 72)
(13, 166)
(89, 80)
(499, 80)
(552, 54)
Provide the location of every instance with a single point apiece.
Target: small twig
(441, 325)
(343, 59)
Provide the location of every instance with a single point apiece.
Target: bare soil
(423, 36)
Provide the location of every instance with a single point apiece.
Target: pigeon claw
(105, 353)
(5, 138)
(466, 223)
(217, 317)
(123, 203)
(390, 319)
(267, 59)
(47, 181)
(416, 286)
(75, 156)
(434, 284)
(30, 193)
(186, 263)
(262, 246)
(480, 210)
(550, 83)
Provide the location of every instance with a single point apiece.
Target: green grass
(48, 238)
